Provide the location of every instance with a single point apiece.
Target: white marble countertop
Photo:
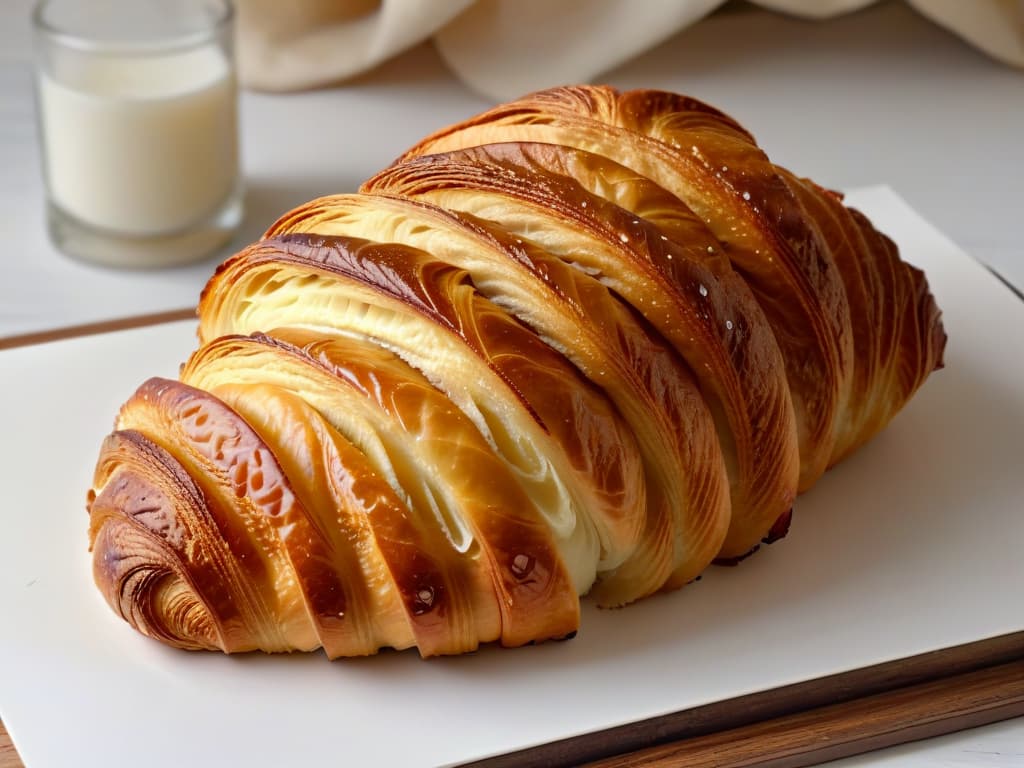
(880, 96)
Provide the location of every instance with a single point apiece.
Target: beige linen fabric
(504, 48)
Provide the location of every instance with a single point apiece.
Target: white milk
(141, 145)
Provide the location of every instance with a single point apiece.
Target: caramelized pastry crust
(584, 343)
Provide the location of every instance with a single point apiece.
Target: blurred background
(880, 95)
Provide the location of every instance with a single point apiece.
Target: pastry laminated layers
(585, 343)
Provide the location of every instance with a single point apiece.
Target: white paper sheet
(911, 545)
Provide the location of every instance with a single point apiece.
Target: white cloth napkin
(504, 48)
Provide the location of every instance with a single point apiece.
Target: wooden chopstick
(103, 326)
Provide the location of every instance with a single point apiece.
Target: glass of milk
(137, 107)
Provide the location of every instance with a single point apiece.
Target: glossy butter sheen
(591, 343)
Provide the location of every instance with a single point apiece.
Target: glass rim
(169, 44)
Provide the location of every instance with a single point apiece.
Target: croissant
(587, 342)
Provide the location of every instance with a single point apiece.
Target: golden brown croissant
(586, 342)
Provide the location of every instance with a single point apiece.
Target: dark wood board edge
(90, 329)
(944, 669)
(874, 722)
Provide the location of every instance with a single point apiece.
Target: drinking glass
(137, 105)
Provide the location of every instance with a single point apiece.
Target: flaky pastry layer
(587, 342)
